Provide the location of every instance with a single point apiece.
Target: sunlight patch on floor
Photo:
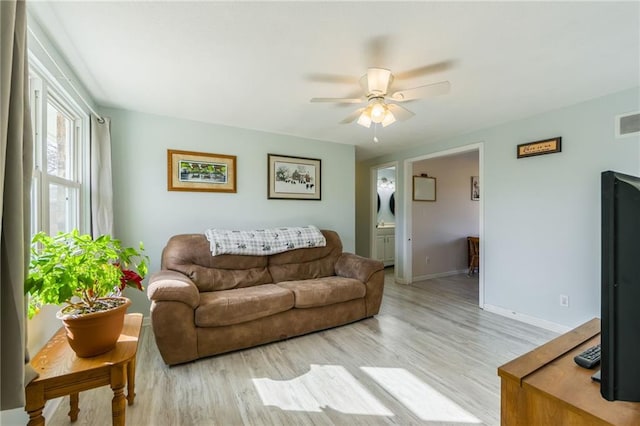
(324, 386)
(424, 401)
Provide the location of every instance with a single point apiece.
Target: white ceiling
(256, 65)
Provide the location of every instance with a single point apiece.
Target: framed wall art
(200, 171)
(475, 188)
(547, 146)
(293, 178)
(424, 188)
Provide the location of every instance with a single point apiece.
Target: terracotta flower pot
(97, 332)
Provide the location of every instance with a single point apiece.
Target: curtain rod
(100, 119)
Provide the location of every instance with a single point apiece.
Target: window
(60, 144)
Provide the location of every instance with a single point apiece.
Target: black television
(620, 281)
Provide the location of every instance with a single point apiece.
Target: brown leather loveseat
(203, 305)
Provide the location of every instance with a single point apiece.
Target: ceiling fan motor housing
(376, 82)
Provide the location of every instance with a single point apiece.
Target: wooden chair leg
(472, 265)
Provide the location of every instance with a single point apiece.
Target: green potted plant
(86, 276)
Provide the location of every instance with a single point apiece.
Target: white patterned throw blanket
(264, 241)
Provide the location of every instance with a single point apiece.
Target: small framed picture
(200, 171)
(424, 188)
(475, 188)
(293, 178)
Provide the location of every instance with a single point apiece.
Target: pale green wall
(144, 210)
(541, 214)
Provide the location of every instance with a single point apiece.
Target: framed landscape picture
(293, 178)
(200, 171)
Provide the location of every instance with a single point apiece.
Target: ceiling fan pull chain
(375, 133)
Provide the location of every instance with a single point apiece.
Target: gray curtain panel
(101, 181)
(16, 163)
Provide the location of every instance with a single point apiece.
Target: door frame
(407, 225)
(373, 208)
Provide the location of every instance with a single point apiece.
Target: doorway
(383, 211)
(411, 245)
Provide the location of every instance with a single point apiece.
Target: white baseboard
(538, 322)
(439, 275)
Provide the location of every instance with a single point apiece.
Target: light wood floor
(430, 357)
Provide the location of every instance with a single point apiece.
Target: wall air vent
(628, 124)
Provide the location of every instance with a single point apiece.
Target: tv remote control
(588, 358)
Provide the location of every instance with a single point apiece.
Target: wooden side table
(546, 387)
(63, 373)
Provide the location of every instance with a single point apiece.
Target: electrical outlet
(564, 300)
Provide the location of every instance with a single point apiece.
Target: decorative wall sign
(293, 178)
(200, 171)
(547, 146)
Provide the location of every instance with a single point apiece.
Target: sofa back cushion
(307, 263)
(190, 254)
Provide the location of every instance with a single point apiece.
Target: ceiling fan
(381, 107)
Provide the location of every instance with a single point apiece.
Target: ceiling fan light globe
(364, 120)
(377, 119)
(378, 111)
(389, 118)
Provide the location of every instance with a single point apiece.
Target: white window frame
(45, 89)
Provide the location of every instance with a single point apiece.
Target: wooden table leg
(118, 404)
(131, 380)
(36, 418)
(73, 406)
(34, 405)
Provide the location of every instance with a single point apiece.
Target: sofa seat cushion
(226, 307)
(324, 291)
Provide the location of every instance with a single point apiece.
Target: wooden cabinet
(546, 387)
(386, 245)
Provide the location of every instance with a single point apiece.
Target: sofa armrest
(370, 272)
(172, 286)
(351, 265)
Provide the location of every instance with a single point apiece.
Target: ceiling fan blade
(332, 78)
(378, 80)
(355, 114)
(339, 100)
(427, 69)
(399, 112)
(422, 91)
